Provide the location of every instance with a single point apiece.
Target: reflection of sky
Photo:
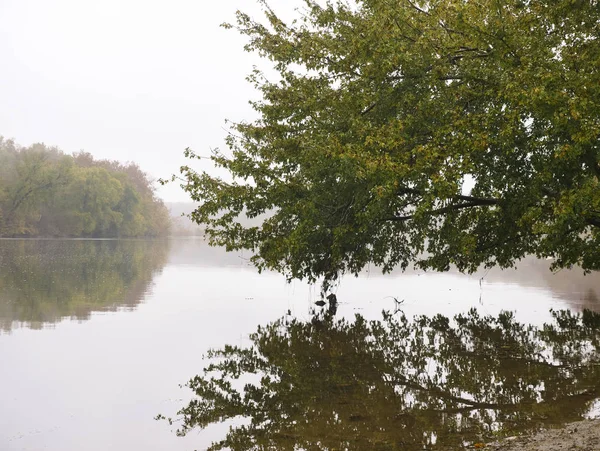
(97, 385)
(529, 287)
(594, 412)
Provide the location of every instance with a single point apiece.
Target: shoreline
(581, 435)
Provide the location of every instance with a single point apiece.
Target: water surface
(96, 336)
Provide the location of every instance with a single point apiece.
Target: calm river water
(97, 335)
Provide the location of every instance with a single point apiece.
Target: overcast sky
(132, 80)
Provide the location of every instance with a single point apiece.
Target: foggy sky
(132, 80)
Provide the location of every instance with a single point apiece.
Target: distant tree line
(45, 192)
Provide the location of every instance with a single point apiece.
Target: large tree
(379, 113)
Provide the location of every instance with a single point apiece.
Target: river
(97, 335)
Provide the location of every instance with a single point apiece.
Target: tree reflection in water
(426, 383)
(44, 281)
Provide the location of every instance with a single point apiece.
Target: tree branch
(421, 10)
(369, 108)
(441, 211)
(481, 200)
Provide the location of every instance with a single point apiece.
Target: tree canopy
(396, 383)
(431, 132)
(44, 192)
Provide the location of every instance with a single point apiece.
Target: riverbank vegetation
(45, 192)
